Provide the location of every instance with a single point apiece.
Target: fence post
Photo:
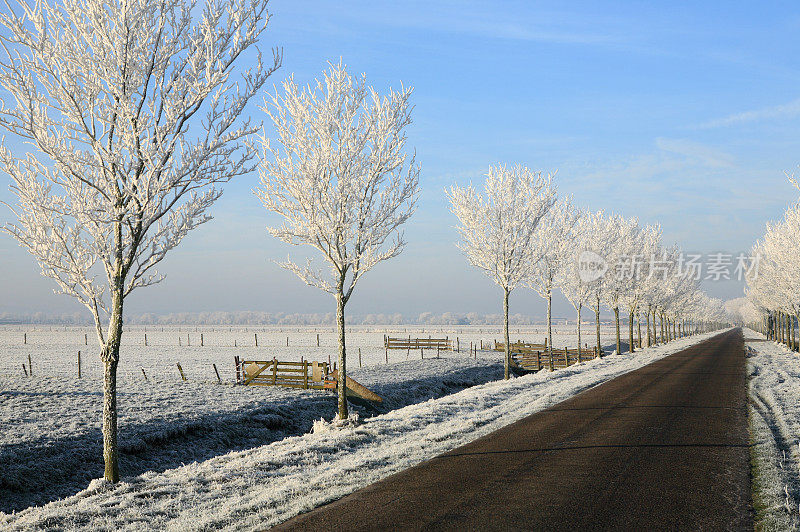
(145, 375)
(25, 338)
(317, 339)
(79, 364)
(274, 371)
(217, 372)
(180, 369)
(201, 340)
(30, 365)
(236, 363)
(145, 339)
(256, 337)
(359, 357)
(25, 371)
(305, 373)
(86, 339)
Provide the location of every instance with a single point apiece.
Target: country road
(662, 447)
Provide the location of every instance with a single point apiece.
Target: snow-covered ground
(774, 388)
(264, 485)
(50, 441)
(54, 350)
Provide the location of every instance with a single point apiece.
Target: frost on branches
(339, 176)
(497, 227)
(132, 115)
(575, 288)
(773, 287)
(554, 238)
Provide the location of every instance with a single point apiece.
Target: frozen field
(50, 440)
(54, 350)
(258, 486)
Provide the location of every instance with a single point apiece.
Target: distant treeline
(278, 318)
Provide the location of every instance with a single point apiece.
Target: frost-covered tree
(575, 285)
(130, 108)
(554, 238)
(622, 258)
(645, 245)
(497, 227)
(777, 283)
(602, 233)
(339, 177)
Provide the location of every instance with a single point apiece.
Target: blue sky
(681, 113)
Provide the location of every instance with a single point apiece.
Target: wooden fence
(520, 345)
(304, 374)
(537, 358)
(440, 344)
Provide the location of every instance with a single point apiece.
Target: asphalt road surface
(661, 448)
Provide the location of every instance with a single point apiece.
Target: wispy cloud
(512, 31)
(786, 110)
(701, 153)
(482, 20)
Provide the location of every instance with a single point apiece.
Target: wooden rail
(304, 374)
(516, 346)
(440, 344)
(536, 359)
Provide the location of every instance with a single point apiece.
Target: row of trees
(519, 233)
(133, 111)
(772, 297)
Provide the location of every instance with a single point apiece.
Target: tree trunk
(788, 320)
(657, 318)
(649, 342)
(110, 359)
(505, 333)
(630, 333)
(580, 306)
(639, 327)
(342, 385)
(550, 323)
(110, 449)
(597, 323)
(778, 327)
(616, 319)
